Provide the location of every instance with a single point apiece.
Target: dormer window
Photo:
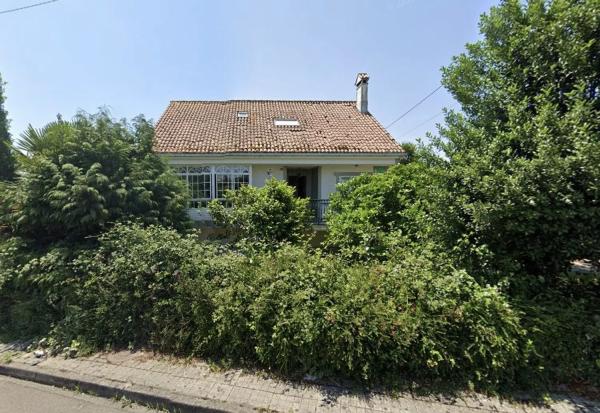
(286, 122)
(242, 115)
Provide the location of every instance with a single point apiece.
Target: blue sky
(135, 55)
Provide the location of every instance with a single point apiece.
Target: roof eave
(293, 154)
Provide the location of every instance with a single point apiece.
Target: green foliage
(35, 285)
(522, 160)
(83, 175)
(292, 309)
(269, 215)
(144, 286)
(369, 214)
(410, 149)
(308, 312)
(295, 310)
(7, 161)
(564, 327)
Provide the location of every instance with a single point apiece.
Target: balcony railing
(319, 206)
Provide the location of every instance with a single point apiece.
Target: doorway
(298, 182)
(305, 181)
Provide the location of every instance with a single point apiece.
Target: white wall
(260, 173)
(327, 176)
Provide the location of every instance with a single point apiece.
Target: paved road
(18, 396)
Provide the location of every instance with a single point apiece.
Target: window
(230, 177)
(198, 179)
(342, 177)
(286, 122)
(242, 115)
(210, 182)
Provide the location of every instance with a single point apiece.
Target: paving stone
(260, 399)
(220, 391)
(195, 380)
(308, 406)
(564, 406)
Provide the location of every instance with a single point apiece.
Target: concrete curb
(149, 396)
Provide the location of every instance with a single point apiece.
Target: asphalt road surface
(18, 396)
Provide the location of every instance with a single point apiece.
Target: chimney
(362, 102)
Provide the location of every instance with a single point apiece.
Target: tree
(82, 176)
(7, 162)
(410, 149)
(522, 159)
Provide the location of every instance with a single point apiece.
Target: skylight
(286, 122)
(242, 115)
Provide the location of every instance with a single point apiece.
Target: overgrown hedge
(296, 310)
(292, 310)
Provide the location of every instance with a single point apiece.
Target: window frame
(286, 122)
(343, 177)
(189, 171)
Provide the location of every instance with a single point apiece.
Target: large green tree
(7, 162)
(522, 158)
(82, 176)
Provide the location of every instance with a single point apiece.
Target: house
(313, 145)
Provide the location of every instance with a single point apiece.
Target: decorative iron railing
(319, 206)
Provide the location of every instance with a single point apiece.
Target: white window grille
(210, 182)
(230, 177)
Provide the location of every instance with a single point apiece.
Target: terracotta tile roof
(324, 127)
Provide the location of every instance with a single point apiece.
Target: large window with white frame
(230, 177)
(206, 182)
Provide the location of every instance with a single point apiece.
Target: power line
(422, 123)
(27, 7)
(417, 104)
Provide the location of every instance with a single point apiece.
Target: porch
(305, 180)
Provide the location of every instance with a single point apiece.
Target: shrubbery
(292, 310)
(370, 214)
(521, 160)
(564, 327)
(36, 285)
(266, 216)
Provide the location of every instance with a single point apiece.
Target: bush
(143, 287)
(82, 176)
(368, 214)
(313, 313)
(522, 157)
(564, 327)
(294, 310)
(269, 215)
(36, 285)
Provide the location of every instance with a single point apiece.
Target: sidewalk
(195, 386)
